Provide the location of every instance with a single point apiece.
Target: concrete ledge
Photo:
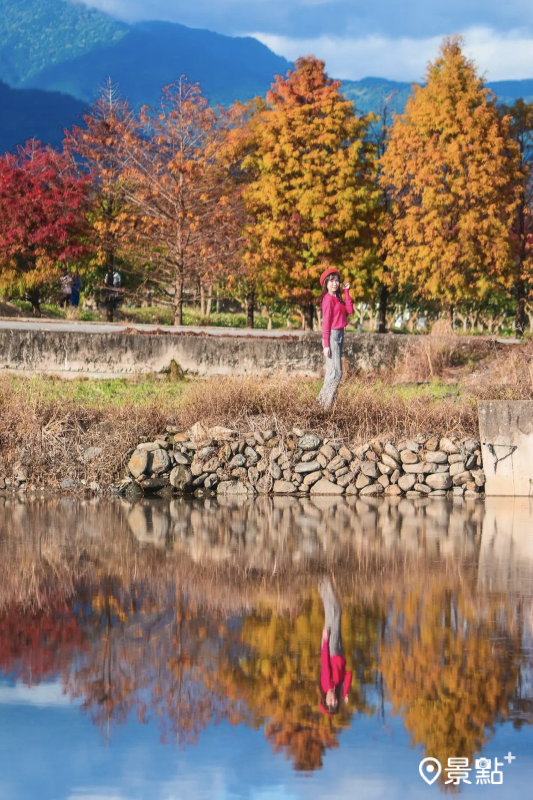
(72, 351)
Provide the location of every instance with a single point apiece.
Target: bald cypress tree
(450, 170)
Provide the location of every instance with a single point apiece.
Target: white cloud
(497, 56)
(44, 695)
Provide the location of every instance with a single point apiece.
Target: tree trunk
(35, 300)
(202, 300)
(382, 313)
(209, 300)
(178, 296)
(250, 302)
(308, 314)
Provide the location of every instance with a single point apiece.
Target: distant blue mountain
(32, 113)
(65, 52)
(154, 54)
(370, 94)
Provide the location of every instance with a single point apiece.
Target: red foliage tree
(42, 220)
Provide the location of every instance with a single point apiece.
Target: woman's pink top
(333, 671)
(334, 314)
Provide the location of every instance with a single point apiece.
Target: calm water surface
(166, 650)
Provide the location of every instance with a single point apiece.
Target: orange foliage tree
(450, 169)
(181, 190)
(311, 195)
(96, 148)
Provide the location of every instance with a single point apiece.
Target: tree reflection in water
(221, 620)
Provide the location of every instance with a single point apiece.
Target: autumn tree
(278, 677)
(311, 198)
(521, 115)
(179, 188)
(42, 219)
(96, 147)
(450, 167)
(450, 667)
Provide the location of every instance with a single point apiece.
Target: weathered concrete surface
(506, 552)
(72, 350)
(506, 432)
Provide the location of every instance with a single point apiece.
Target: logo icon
(430, 769)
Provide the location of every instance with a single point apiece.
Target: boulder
(312, 477)
(326, 487)
(389, 461)
(181, 478)
(462, 478)
(327, 451)
(408, 457)
(308, 466)
(439, 480)
(448, 446)
(370, 469)
(391, 451)
(139, 462)
(375, 488)
(160, 462)
(362, 481)
(406, 482)
(283, 487)
(457, 468)
(231, 487)
(436, 457)
(309, 442)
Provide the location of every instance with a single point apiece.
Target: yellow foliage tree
(449, 170)
(311, 197)
(278, 680)
(450, 669)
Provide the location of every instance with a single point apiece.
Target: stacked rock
(219, 460)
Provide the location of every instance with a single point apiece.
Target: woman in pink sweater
(335, 679)
(335, 310)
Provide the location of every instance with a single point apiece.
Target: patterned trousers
(332, 613)
(333, 370)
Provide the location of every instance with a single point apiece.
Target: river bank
(81, 433)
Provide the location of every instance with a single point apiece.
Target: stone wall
(218, 460)
(130, 352)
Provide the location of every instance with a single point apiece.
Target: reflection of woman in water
(335, 681)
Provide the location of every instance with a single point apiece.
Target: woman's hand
(345, 286)
(327, 352)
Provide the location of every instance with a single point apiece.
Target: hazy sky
(387, 38)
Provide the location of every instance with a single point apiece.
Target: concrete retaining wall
(506, 431)
(119, 353)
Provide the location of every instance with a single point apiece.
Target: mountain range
(55, 55)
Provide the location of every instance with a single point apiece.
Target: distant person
(335, 310)
(65, 283)
(76, 288)
(335, 680)
(117, 285)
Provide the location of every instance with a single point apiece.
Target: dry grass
(48, 437)
(47, 425)
(362, 411)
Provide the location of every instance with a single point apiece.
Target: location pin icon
(430, 769)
